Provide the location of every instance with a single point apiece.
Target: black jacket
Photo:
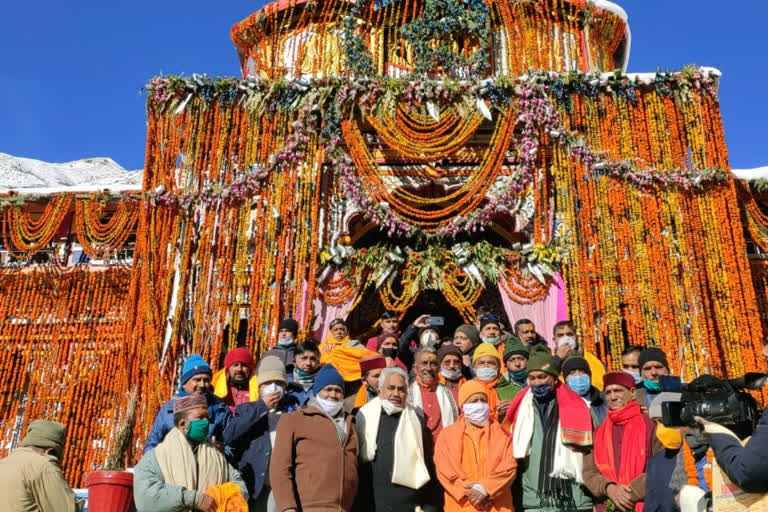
(746, 466)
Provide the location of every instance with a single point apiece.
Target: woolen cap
(485, 349)
(469, 388)
(271, 368)
(372, 363)
(326, 376)
(446, 349)
(46, 434)
(470, 331)
(576, 363)
(239, 355)
(514, 346)
(489, 320)
(194, 365)
(541, 359)
(383, 337)
(652, 354)
(620, 379)
(289, 324)
(185, 403)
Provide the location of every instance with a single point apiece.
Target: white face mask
(285, 342)
(330, 407)
(566, 340)
(635, 375)
(390, 408)
(493, 340)
(477, 413)
(272, 387)
(450, 374)
(487, 374)
(428, 339)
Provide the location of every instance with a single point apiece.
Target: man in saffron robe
(432, 400)
(551, 429)
(473, 457)
(624, 442)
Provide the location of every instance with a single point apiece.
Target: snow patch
(30, 176)
(758, 173)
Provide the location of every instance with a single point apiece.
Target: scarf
(634, 446)
(181, 466)
(409, 468)
(568, 423)
(448, 410)
(306, 381)
(490, 389)
(330, 343)
(228, 498)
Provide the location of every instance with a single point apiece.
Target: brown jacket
(310, 470)
(597, 483)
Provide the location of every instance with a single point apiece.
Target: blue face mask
(652, 385)
(580, 384)
(541, 391)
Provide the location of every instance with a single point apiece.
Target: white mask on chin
(390, 408)
(330, 407)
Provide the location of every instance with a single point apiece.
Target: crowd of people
(483, 420)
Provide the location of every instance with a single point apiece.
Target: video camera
(720, 401)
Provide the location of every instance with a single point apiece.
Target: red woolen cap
(372, 363)
(619, 378)
(239, 355)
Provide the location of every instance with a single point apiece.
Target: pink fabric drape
(544, 313)
(324, 313)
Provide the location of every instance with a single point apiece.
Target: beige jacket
(33, 482)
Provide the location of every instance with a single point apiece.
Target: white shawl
(568, 464)
(409, 468)
(180, 466)
(448, 410)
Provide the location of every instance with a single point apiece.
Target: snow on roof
(758, 173)
(27, 176)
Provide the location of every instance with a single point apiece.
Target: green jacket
(151, 493)
(529, 469)
(506, 390)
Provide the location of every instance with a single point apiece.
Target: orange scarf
(493, 397)
(361, 398)
(228, 498)
(634, 446)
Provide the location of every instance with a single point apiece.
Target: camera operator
(746, 466)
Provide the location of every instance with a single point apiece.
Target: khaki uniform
(33, 482)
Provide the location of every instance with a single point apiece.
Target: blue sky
(71, 72)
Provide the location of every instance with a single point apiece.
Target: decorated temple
(438, 156)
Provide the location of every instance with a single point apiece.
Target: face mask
(197, 430)
(389, 352)
(428, 339)
(487, 374)
(371, 390)
(579, 383)
(477, 412)
(652, 385)
(285, 342)
(519, 375)
(541, 390)
(301, 373)
(671, 438)
(450, 374)
(566, 340)
(272, 387)
(330, 407)
(390, 408)
(635, 375)
(493, 340)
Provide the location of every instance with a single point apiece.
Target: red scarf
(574, 417)
(634, 445)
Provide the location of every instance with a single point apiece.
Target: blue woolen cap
(194, 365)
(326, 376)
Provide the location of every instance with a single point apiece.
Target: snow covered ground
(29, 176)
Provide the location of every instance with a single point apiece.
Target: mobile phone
(435, 320)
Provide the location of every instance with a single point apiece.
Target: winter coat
(33, 482)
(218, 418)
(152, 493)
(746, 466)
(285, 354)
(310, 468)
(247, 437)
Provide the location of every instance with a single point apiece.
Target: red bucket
(110, 491)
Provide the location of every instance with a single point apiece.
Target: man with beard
(314, 464)
(432, 400)
(195, 380)
(395, 449)
(307, 363)
(236, 384)
(451, 372)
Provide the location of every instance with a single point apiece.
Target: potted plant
(111, 489)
